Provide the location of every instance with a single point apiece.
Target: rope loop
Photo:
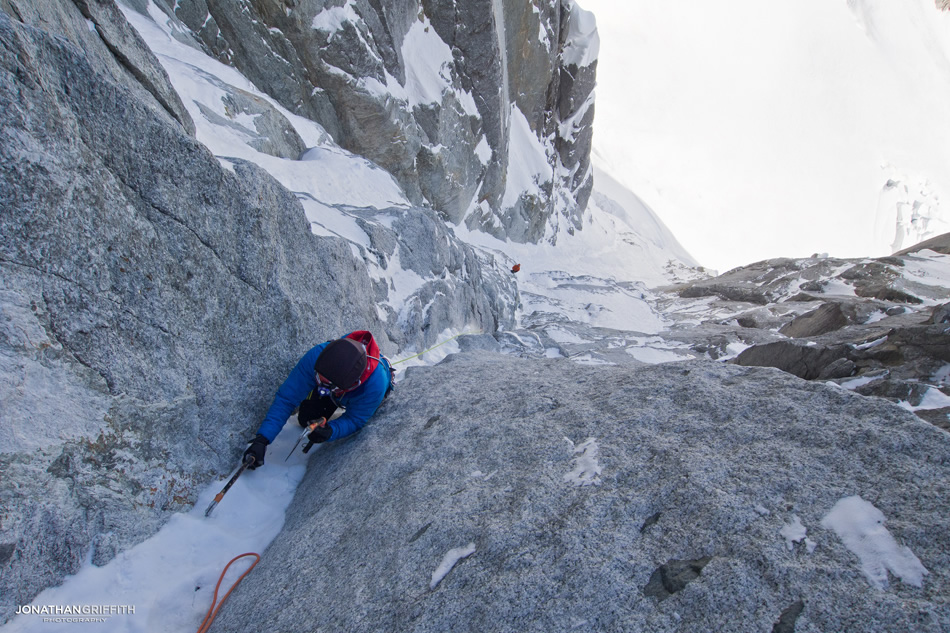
(212, 610)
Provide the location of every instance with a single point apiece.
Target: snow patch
(933, 399)
(654, 356)
(870, 344)
(854, 383)
(795, 532)
(170, 577)
(587, 469)
(583, 42)
(527, 159)
(860, 526)
(449, 561)
(483, 151)
(332, 20)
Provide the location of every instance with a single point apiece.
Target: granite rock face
(436, 92)
(113, 48)
(154, 296)
(679, 497)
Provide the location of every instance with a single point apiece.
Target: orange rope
(212, 611)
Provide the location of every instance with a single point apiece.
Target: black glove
(313, 409)
(320, 434)
(256, 450)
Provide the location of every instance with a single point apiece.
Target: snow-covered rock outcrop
(692, 496)
(875, 326)
(481, 109)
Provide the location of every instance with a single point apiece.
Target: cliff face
(482, 110)
(154, 295)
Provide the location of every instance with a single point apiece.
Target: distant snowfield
(761, 129)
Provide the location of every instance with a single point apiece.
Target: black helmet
(342, 362)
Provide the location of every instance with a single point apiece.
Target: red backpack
(373, 357)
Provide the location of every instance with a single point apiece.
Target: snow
(446, 346)
(561, 335)
(795, 532)
(860, 526)
(587, 469)
(327, 221)
(332, 19)
(870, 344)
(452, 557)
(428, 62)
(483, 151)
(654, 356)
(933, 399)
(734, 349)
(583, 42)
(169, 579)
(854, 383)
(588, 359)
(527, 158)
(622, 239)
(928, 268)
(758, 130)
(198, 79)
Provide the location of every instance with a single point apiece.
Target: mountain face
(455, 99)
(155, 295)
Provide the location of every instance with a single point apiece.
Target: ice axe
(306, 431)
(248, 460)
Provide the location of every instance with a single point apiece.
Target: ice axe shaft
(307, 431)
(247, 462)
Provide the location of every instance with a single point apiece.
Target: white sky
(757, 128)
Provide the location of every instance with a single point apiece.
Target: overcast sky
(758, 128)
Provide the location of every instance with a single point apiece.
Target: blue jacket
(360, 404)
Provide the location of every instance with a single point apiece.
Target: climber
(347, 373)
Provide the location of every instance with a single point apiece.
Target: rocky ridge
(878, 327)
